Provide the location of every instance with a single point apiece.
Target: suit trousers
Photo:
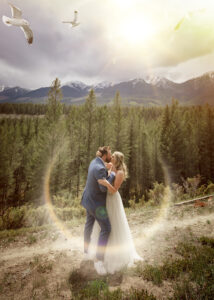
(101, 216)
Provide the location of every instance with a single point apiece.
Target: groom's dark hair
(103, 150)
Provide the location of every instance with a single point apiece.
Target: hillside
(42, 264)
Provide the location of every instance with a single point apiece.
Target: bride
(120, 250)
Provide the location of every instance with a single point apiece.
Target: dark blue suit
(94, 201)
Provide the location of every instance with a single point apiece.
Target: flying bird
(18, 21)
(74, 22)
(188, 16)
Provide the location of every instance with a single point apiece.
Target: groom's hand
(100, 174)
(103, 182)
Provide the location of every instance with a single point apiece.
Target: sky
(116, 40)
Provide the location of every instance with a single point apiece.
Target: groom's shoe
(99, 267)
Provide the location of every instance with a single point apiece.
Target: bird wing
(16, 12)
(28, 33)
(75, 16)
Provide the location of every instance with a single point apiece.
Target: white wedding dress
(120, 251)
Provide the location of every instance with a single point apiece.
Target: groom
(94, 201)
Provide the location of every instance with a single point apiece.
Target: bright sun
(135, 30)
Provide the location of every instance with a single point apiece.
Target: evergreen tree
(172, 144)
(90, 125)
(51, 139)
(119, 127)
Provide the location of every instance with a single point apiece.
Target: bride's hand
(109, 165)
(103, 182)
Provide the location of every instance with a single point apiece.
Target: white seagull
(17, 20)
(74, 22)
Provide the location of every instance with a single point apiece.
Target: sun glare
(136, 30)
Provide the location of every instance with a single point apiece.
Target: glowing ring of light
(59, 224)
(148, 233)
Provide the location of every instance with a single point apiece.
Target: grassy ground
(178, 251)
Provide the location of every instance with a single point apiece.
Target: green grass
(97, 289)
(207, 241)
(31, 239)
(192, 274)
(25, 231)
(22, 231)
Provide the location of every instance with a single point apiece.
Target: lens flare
(59, 224)
(158, 222)
(145, 234)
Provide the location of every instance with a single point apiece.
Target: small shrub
(202, 190)
(94, 289)
(98, 290)
(68, 213)
(152, 274)
(13, 218)
(210, 188)
(37, 216)
(185, 249)
(31, 239)
(135, 294)
(191, 185)
(207, 241)
(66, 199)
(185, 290)
(177, 192)
(132, 203)
(195, 271)
(156, 194)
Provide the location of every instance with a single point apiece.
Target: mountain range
(148, 91)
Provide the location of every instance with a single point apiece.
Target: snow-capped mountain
(76, 85)
(157, 81)
(137, 81)
(150, 90)
(12, 93)
(102, 85)
(2, 88)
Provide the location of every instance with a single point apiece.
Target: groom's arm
(111, 178)
(102, 174)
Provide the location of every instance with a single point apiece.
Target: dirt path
(41, 270)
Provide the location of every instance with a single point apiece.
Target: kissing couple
(107, 236)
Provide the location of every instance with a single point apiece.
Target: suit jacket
(94, 194)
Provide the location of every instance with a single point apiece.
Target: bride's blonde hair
(119, 163)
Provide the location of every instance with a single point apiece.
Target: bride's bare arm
(117, 183)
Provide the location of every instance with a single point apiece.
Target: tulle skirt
(120, 251)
